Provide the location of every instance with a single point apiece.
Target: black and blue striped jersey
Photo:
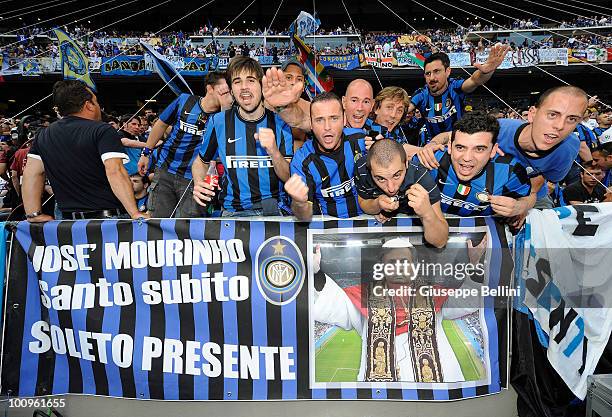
(188, 121)
(503, 176)
(329, 176)
(440, 112)
(586, 135)
(249, 172)
(415, 174)
(396, 134)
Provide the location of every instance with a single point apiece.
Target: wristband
(33, 214)
(145, 151)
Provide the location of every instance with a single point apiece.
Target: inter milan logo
(72, 58)
(280, 273)
(279, 270)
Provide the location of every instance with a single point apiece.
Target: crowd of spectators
(111, 43)
(16, 137)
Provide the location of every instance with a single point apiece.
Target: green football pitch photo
(338, 357)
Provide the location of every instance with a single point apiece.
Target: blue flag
(167, 72)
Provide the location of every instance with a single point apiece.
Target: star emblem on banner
(278, 248)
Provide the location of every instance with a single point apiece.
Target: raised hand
(496, 57)
(277, 91)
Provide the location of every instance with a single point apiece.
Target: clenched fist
(267, 139)
(387, 203)
(418, 199)
(297, 189)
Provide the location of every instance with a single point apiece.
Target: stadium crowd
(253, 146)
(107, 44)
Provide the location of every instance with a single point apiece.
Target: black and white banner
(565, 269)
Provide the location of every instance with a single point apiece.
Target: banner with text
(380, 59)
(513, 59)
(125, 66)
(343, 62)
(253, 310)
(564, 264)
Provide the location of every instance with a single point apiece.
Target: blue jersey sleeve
(564, 160)
(518, 184)
(170, 113)
(418, 98)
(208, 150)
(284, 138)
(297, 167)
(362, 145)
(456, 86)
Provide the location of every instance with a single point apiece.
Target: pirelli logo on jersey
(190, 128)
(338, 190)
(460, 203)
(248, 162)
(437, 119)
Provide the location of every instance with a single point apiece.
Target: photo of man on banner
(399, 319)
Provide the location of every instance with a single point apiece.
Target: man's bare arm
(32, 189)
(122, 186)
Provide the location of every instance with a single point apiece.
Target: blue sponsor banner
(265, 59)
(343, 62)
(125, 66)
(198, 66)
(198, 309)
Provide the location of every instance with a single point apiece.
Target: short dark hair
(327, 96)
(589, 165)
(145, 178)
(383, 151)
(213, 77)
(605, 149)
(240, 64)
(476, 121)
(152, 118)
(570, 89)
(438, 56)
(69, 96)
(127, 118)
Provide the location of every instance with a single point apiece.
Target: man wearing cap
(384, 314)
(282, 91)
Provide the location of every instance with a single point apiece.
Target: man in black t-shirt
(587, 189)
(387, 185)
(83, 159)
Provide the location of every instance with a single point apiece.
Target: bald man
(357, 102)
(387, 184)
(284, 98)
